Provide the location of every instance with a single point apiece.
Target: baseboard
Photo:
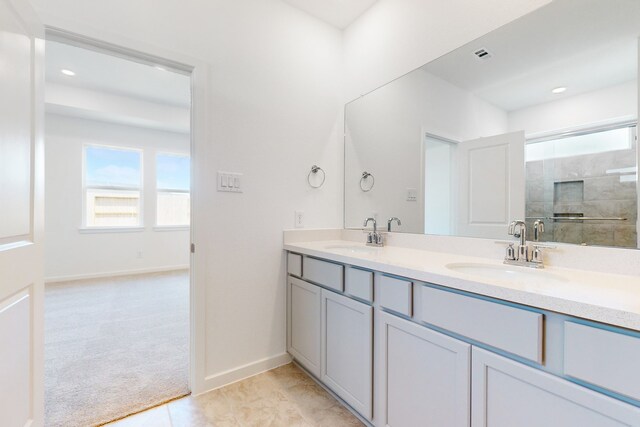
(222, 379)
(72, 277)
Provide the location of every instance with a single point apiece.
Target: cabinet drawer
(395, 295)
(359, 283)
(294, 264)
(508, 328)
(323, 273)
(606, 359)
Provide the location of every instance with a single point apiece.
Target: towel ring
(314, 170)
(364, 178)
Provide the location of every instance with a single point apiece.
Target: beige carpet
(114, 346)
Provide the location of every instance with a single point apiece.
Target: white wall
(275, 110)
(600, 106)
(384, 136)
(70, 254)
(397, 36)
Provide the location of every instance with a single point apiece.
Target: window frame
(158, 190)
(85, 227)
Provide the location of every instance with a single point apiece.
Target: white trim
(240, 373)
(118, 273)
(99, 230)
(170, 227)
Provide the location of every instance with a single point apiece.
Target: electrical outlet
(299, 219)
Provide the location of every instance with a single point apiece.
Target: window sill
(171, 227)
(98, 230)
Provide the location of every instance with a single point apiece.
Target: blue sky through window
(112, 167)
(173, 172)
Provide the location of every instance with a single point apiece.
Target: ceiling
(105, 73)
(338, 13)
(583, 45)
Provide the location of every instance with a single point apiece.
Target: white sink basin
(352, 249)
(507, 272)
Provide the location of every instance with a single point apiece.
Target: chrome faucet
(518, 229)
(390, 220)
(373, 237)
(524, 255)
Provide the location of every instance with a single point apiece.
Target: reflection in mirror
(536, 121)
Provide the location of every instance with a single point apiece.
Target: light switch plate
(229, 182)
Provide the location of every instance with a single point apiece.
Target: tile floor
(282, 397)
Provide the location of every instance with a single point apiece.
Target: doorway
(117, 221)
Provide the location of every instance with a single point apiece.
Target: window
(112, 186)
(597, 141)
(173, 183)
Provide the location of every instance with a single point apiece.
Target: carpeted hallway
(114, 346)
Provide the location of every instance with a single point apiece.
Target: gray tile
(568, 232)
(598, 234)
(534, 170)
(534, 209)
(625, 236)
(535, 191)
(600, 188)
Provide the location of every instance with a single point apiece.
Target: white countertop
(608, 298)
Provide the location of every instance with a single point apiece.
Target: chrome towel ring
(314, 170)
(363, 181)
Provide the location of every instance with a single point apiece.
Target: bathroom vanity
(409, 337)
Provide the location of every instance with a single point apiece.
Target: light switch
(412, 194)
(230, 182)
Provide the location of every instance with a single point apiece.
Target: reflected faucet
(390, 220)
(538, 229)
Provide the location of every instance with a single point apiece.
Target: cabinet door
(507, 393)
(304, 324)
(425, 377)
(347, 345)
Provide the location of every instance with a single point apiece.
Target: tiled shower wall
(584, 185)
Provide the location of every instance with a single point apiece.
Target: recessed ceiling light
(558, 89)
(67, 72)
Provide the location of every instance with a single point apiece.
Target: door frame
(198, 70)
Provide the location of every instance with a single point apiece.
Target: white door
(304, 324)
(506, 394)
(490, 182)
(347, 346)
(426, 379)
(21, 216)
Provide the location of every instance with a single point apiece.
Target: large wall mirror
(535, 120)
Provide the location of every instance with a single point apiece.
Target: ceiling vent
(482, 54)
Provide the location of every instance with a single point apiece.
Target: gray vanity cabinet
(424, 376)
(303, 337)
(347, 350)
(506, 393)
